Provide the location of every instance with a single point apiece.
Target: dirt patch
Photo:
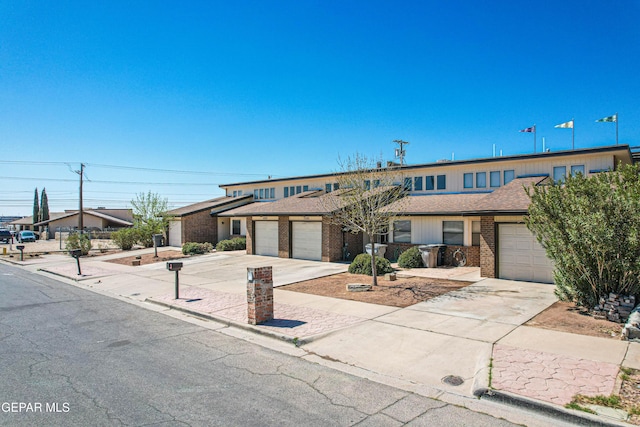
(402, 292)
(566, 317)
(149, 258)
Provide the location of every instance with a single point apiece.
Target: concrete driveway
(451, 335)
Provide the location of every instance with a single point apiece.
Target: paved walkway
(457, 334)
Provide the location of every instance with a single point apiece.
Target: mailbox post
(21, 249)
(175, 266)
(76, 254)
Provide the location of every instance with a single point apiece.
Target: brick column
(284, 246)
(250, 236)
(487, 246)
(259, 295)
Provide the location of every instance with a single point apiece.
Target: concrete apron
(451, 335)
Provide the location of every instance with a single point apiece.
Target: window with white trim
(468, 180)
(509, 175)
(402, 231)
(559, 173)
(494, 179)
(481, 180)
(453, 233)
(235, 227)
(577, 169)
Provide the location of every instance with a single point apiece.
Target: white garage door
(306, 240)
(520, 256)
(175, 233)
(266, 236)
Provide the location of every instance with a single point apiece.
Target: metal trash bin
(380, 249)
(158, 240)
(429, 254)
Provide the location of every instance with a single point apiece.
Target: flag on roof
(565, 125)
(530, 130)
(613, 118)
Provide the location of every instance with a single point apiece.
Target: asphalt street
(70, 357)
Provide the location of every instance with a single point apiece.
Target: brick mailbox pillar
(259, 295)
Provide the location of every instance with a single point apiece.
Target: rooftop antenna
(400, 152)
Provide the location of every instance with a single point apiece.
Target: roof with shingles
(511, 198)
(437, 204)
(60, 215)
(307, 203)
(206, 205)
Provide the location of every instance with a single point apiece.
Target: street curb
(555, 411)
(226, 322)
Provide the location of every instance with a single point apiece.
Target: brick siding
(487, 246)
(250, 236)
(284, 237)
(331, 241)
(200, 227)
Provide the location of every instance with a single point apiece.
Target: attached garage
(266, 238)
(520, 256)
(306, 240)
(175, 233)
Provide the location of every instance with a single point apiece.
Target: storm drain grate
(453, 380)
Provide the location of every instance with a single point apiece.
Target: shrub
(235, 244)
(145, 235)
(362, 265)
(79, 241)
(125, 238)
(191, 248)
(410, 258)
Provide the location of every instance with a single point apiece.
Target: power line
(109, 182)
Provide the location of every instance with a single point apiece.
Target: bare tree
(365, 189)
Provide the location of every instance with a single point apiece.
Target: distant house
(100, 218)
(199, 222)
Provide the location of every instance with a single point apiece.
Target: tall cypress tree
(36, 208)
(44, 205)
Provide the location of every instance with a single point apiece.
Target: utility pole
(81, 214)
(400, 152)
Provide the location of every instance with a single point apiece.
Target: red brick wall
(331, 241)
(487, 246)
(355, 245)
(472, 253)
(250, 236)
(284, 237)
(200, 227)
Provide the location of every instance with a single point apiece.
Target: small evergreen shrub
(125, 238)
(362, 265)
(79, 241)
(235, 244)
(410, 258)
(191, 248)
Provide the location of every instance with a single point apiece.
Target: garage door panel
(520, 256)
(266, 238)
(306, 240)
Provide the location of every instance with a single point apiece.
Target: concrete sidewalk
(442, 346)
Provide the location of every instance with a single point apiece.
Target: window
(576, 169)
(452, 232)
(256, 193)
(442, 182)
(286, 191)
(417, 183)
(475, 232)
(494, 179)
(367, 184)
(468, 180)
(327, 188)
(402, 231)
(305, 188)
(336, 186)
(376, 183)
(235, 227)
(272, 193)
(429, 183)
(261, 193)
(298, 189)
(509, 175)
(292, 191)
(407, 184)
(559, 173)
(266, 193)
(481, 180)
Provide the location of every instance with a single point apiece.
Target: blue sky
(246, 89)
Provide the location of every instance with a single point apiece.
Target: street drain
(453, 380)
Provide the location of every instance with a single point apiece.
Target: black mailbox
(174, 266)
(75, 253)
(20, 247)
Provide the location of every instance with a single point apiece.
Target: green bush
(362, 265)
(79, 241)
(191, 248)
(125, 238)
(410, 258)
(145, 235)
(235, 244)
